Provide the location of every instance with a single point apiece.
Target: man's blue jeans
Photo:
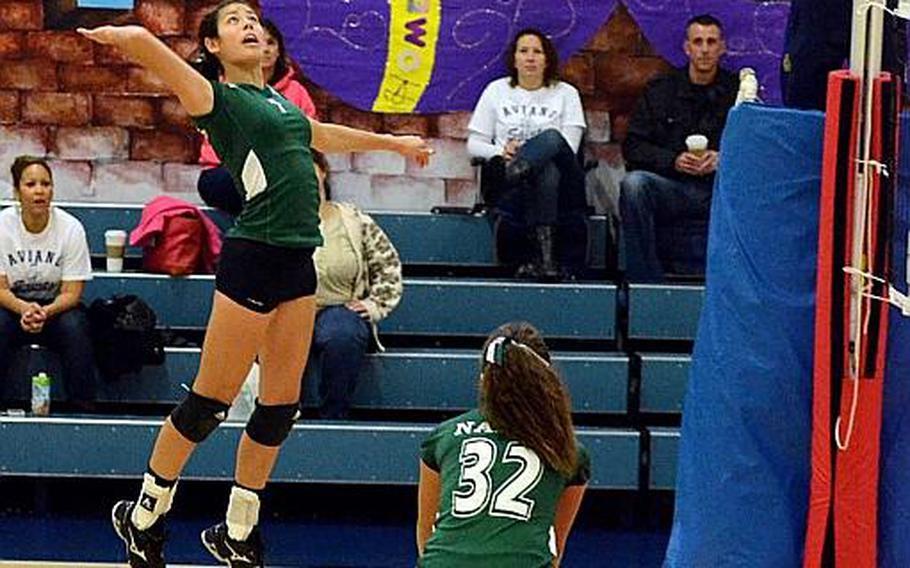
(66, 334)
(647, 201)
(340, 341)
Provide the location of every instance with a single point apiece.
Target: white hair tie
(495, 353)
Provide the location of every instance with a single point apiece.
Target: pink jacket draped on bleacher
(154, 216)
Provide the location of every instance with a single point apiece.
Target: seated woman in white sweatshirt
(529, 126)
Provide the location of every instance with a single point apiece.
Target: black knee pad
(197, 416)
(270, 425)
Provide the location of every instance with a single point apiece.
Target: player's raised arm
(329, 138)
(140, 46)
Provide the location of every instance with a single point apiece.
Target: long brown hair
(524, 398)
(283, 63)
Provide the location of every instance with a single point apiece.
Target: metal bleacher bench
(397, 379)
(664, 451)
(635, 383)
(314, 452)
(664, 311)
(412, 379)
(663, 382)
(462, 307)
(421, 238)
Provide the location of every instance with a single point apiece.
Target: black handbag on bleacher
(124, 335)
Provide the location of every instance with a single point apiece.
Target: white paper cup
(697, 143)
(114, 264)
(115, 245)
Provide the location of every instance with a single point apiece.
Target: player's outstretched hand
(416, 148)
(110, 35)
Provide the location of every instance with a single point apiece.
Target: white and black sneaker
(145, 549)
(234, 553)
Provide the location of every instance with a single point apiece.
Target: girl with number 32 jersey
(500, 485)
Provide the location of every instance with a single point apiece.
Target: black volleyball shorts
(259, 276)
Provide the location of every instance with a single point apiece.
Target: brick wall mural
(113, 133)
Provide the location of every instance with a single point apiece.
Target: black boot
(547, 270)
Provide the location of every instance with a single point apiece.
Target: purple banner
(430, 56)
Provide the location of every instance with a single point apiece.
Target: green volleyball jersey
(497, 498)
(264, 142)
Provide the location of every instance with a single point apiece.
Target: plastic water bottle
(41, 394)
(245, 402)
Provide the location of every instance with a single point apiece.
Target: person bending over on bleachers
(500, 485)
(44, 264)
(264, 299)
(529, 127)
(668, 183)
(359, 284)
(215, 186)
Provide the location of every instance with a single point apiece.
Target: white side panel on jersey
(253, 176)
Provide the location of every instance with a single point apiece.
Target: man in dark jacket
(667, 182)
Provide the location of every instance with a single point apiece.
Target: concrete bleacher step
(468, 307)
(664, 311)
(663, 382)
(413, 379)
(421, 238)
(318, 452)
(664, 454)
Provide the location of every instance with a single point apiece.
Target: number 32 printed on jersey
(476, 491)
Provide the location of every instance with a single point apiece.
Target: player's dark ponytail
(320, 161)
(524, 398)
(207, 64)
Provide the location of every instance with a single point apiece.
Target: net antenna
(866, 44)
